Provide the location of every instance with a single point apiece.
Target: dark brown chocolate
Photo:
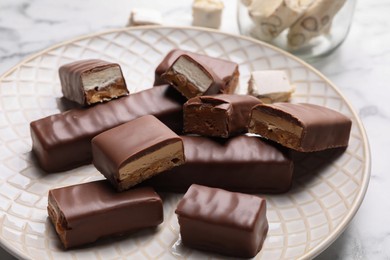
(135, 151)
(83, 213)
(302, 127)
(92, 81)
(219, 116)
(63, 141)
(243, 163)
(229, 223)
(223, 69)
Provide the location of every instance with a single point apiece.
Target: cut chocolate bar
(302, 127)
(220, 115)
(63, 141)
(83, 213)
(92, 81)
(242, 163)
(229, 223)
(135, 151)
(223, 69)
(191, 78)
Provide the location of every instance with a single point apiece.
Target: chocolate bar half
(302, 127)
(225, 70)
(242, 163)
(221, 115)
(63, 141)
(92, 81)
(229, 223)
(83, 213)
(135, 151)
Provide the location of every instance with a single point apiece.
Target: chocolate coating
(86, 212)
(220, 115)
(63, 141)
(71, 77)
(225, 70)
(320, 127)
(243, 163)
(216, 220)
(115, 148)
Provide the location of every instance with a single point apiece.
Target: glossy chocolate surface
(242, 163)
(216, 220)
(63, 141)
(322, 128)
(220, 115)
(72, 85)
(225, 70)
(93, 210)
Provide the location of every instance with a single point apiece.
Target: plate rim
(320, 247)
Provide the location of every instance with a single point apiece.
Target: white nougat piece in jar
(207, 13)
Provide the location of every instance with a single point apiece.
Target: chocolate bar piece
(229, 223)
(63, 141)
(242, 163)
(135, 151)
(191, 78)
(302, 127)
(83, 213)
(220, 115)
(223, 69)
(92, 81)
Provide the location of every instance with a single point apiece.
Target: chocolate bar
(92, 81)
(83, 213)
(135, 151)
(229, 223)
(223, 69)
(192, 78)
(220, 115)
(242, 163)
(302, 127)
(63, 141)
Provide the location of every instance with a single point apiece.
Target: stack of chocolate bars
(189, 133)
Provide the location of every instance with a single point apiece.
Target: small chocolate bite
(302, 127)
(83, 213)
(225, 70)
(135, 151)
(242, 163)
(229, 223)
(92, 81)
(221, 115)
(63, 141)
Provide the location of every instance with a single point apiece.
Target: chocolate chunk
(191, 78)
(83, 213)
(135, 151)
(220, 116)
(63, 141)
(243, 163)
(302, 127)
(223, 69)
(92, 81)
(229, 223)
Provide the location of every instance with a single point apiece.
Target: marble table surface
(360, 68)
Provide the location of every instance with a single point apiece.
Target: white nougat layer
(101, 79)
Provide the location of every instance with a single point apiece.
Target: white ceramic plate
(303, 222)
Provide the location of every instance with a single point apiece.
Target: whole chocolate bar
(229, 223)
(192, 78)
(63, 141)
(302, 127)
(135, 151)
(242, 163)
(83, 213)
(220, 115)
(223, 69)
(92, 81)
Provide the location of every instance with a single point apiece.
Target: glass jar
(307, 28)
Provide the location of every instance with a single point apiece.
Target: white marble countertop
(360, 68)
